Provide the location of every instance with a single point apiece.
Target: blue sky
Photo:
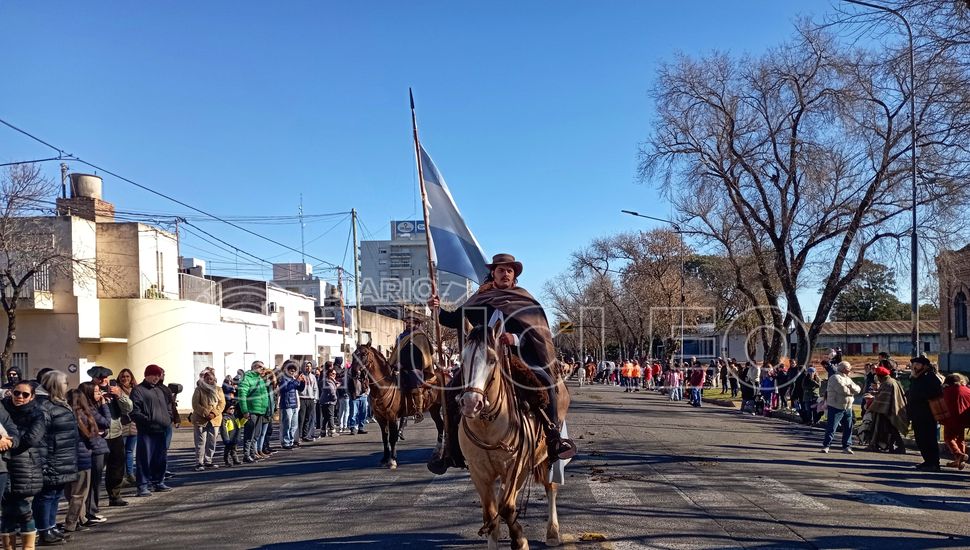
(533, 111)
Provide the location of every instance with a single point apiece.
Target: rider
(411, 375)
(526, 332)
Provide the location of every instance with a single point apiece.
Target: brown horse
(501, 441)
(389, 404)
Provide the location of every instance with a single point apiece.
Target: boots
(452, 456)
(10, 541)
(417, 399)
(29, 540)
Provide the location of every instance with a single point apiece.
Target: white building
(395, 272)
(137, 309)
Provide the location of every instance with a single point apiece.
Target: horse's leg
(439, 424)
(394, 429)
(490, 517)
(387, 451)
(552, 491)
(508, 512)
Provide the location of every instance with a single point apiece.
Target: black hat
(922, 360)
(98, 371)
(505, 259)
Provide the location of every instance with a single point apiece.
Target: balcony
(36, 294)
(198, 289)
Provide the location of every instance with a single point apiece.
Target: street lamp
(914, 305)
(683, 297)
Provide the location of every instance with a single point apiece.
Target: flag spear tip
(411, 95)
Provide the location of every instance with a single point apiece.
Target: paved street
(652, 474)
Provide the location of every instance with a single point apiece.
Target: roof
(873, 328)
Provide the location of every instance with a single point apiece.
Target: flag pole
(431, 270)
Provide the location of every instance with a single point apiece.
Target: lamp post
(683, 296)
(914, 303)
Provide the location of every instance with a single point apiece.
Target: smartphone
(113, 382)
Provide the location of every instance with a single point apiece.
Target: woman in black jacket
(61, 466)
(25, 464)
(102, 417)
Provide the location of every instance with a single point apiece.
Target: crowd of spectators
(829, 389)
(87, 444)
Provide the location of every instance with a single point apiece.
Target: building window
(304, 321)
(20, 361)
(960, 315)
(279, 318)
(201, 360)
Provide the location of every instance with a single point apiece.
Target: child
(956, 394)
(230, 430)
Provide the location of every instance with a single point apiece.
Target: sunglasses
(21, 393)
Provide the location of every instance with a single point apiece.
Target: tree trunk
(5, 361)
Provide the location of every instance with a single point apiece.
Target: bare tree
(31, 256)
(804, 149)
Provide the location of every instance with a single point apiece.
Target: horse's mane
(526, 382)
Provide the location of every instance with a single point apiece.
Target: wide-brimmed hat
(98, 371)
(505, 259)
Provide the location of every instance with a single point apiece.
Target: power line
(67, 156)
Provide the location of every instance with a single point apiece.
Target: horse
(501, 440)
(389, 404)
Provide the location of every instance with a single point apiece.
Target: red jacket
(697, 378)
(957, 400)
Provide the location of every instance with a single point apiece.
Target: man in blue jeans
(357, 389)
(152, 415)
(840, 392)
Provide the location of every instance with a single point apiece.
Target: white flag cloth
(454, 248)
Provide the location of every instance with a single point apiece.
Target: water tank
(86, 185)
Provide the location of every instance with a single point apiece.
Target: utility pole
(302, 227)
(63, 180)
(343, 315)
(353, 219)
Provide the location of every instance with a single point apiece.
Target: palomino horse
(389, 403)
(500, 440)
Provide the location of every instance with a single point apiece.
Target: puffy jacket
(150, 409)
(200, 411)
(840, 392)
(25, 462)
(13, 432)
(61, 436)
(328, 391)
(289, 392)
(252, 395)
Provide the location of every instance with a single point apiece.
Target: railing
(198, 289)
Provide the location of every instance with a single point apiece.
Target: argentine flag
(454, 248)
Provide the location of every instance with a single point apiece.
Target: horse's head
(479, 359)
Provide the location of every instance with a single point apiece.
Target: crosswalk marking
(783, 494)
(614, 493)
(868, 496)
(693, 490)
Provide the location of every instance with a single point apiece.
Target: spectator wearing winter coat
(60, 468)
(253, 403)
(290, 385)
(208, 403)
(697, 379)
(118, 405)
(101, 411)
(89, 446)
(308, 403)
(129, 431)
(840, 392)
(925, 386)
(13, 377)
(152, 414)
(230, 429)
(328, 402)
(357, 389)
(24, 463)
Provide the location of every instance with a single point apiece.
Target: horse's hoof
(392, 465)
(553, 541)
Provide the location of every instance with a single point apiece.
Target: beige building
(137, 309)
